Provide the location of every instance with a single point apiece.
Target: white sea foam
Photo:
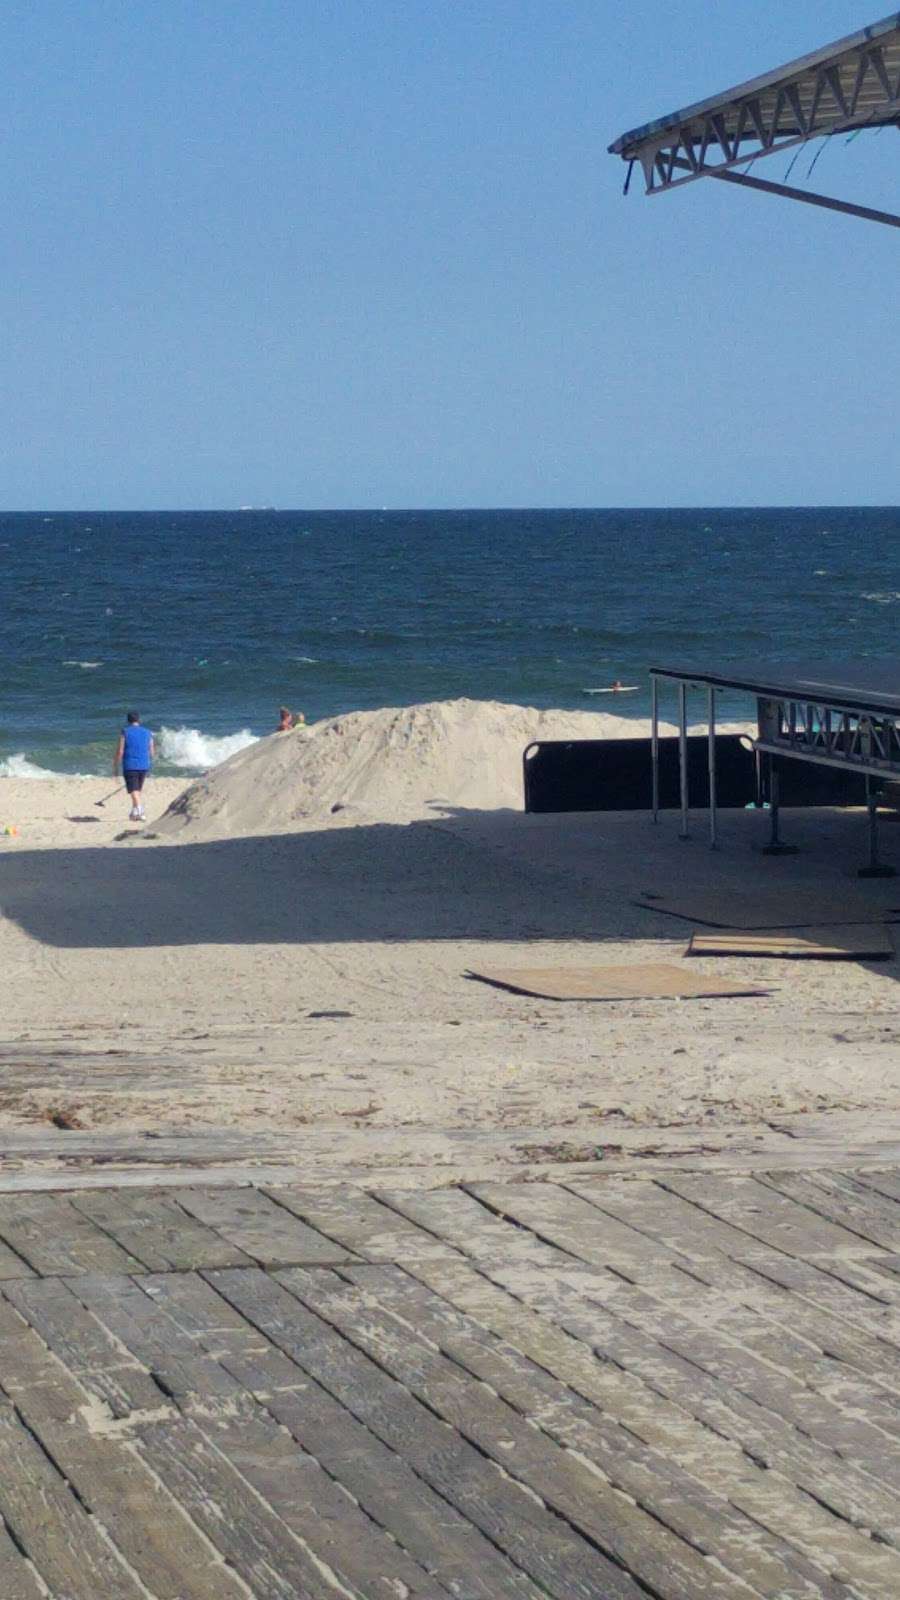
(189, 747)
(85, 665)
(19, 766)
(307, 660)
(885, 598)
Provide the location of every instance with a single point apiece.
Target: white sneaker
(133, 814)
(141, 814)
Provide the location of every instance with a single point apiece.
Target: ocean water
(207, 622)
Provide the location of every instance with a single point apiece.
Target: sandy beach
(289, 949)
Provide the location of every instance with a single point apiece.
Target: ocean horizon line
(736, 506)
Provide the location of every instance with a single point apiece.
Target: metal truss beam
(848, 87)
(831, 101)
(830, 735)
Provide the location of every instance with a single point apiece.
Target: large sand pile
(390, 764)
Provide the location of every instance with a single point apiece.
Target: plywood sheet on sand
(720, 906)
(646, 982)
(850, 942)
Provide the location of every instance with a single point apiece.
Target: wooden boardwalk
(684, 1385)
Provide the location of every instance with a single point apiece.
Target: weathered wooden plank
(860, 1292)
(464, 1224)
(196, 1482)
(660, 1213)
(307, 1528)
(537, 1541)
(250, 1536)
(56, 1240)
(380, 1480)
(855, 1294)
(152, 1227)
(679, 1228)
(360, 1554)
(837, 1196)
(19, 1579)
(253, 1222)
(675, 1498)
(204, 1315)
(850, 1429)
(869, 1278)
(318, 1512)
(795, 1362)
(36, 1178)
(760, 1211)
(129, 1318)
(569, 1224)
(445, 1154)
(13, 1265)
(767, 1439)
(763, 1289)
(796, 1295)
(882, 1278)
(560, 1217)
(69, 1549)
(561, 1341)
(101, 1455)
(888, 1264)
(885, 1181)
(84, 1346)
(359, 1223)
(580, 1494)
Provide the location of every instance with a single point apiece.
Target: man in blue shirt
(135, 750)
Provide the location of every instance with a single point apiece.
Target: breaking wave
(189, 748)
(19, 766)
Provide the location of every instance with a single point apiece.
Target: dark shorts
(134, 778)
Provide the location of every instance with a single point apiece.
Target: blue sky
(373, 252)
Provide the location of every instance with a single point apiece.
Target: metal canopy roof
(853, 84)
(867, 685)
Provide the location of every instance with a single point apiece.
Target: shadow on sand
(361, 883)
(472, 875)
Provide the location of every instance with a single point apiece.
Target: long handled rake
(109, 796)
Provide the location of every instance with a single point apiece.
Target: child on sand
(288, 719)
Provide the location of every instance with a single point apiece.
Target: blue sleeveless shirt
(136, 754)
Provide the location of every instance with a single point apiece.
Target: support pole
(682, 759)
(786, 191)
(876, 867)
(711, 755)
(654, 743)
(810, 199)
(774, 838)
(775, 846)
